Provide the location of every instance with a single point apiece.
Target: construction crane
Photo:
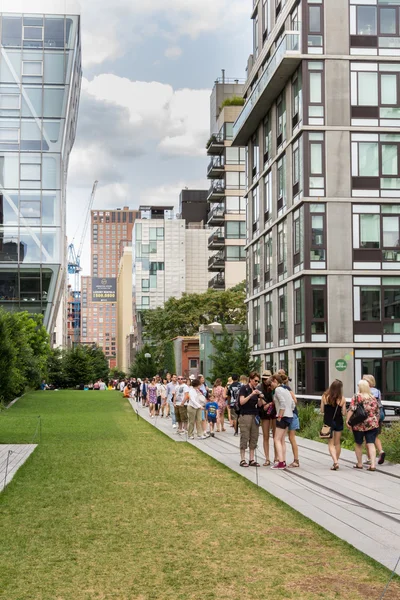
(74, 258)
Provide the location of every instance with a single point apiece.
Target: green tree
(55, 368)
(169, 357)
(183, 317)
(232, 354)
(8, 360)
(78, 367)
(98, 362)
(145, 367)
(32, 346)
(115, 373)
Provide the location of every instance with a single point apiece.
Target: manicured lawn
(109, 508)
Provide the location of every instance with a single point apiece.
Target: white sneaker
(191, 437)
(174, 426)
(204, 437)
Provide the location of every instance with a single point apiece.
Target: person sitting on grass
(212, 412)
(127, 391)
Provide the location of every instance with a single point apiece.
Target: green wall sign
(341, 365)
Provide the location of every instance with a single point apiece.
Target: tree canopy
(231, 354)
(183, 317)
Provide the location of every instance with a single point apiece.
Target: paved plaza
(12, 457)
(361, 508)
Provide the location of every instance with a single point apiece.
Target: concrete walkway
(359, 507)
(12, 457)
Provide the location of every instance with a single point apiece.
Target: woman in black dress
(333, 407)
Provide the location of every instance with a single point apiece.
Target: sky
(148, 70)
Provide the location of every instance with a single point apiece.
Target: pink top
(219, 394)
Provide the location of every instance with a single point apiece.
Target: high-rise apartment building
(111, 230)
(40, 77)
(227, 205)
(170, 259)
(321, 125)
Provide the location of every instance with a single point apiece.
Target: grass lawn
(109, 508)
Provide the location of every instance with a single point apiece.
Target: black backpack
(235, 403)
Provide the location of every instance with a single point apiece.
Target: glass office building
(40, 78)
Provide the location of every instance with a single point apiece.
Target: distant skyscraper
(111, 231)
(40, 77)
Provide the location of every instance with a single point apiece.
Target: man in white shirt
(181, 398)
(121, 386)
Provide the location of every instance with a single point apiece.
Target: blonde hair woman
(375, 392)
(369, 428)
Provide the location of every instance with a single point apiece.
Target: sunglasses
(256, 381)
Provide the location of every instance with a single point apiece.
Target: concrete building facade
(227, 205)
(321, 126)
(40, 79)
(124, 308)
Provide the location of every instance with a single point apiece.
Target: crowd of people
(266, 402)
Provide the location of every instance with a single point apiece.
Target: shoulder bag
(359, 415)
(326, 432)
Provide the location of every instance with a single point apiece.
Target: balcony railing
(289, 47)
(217, 189)
(215, 144)
(217, 238)
(217, 282)
(217, 261)
(216, 214)
(215, 167)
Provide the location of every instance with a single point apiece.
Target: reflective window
(11, 31)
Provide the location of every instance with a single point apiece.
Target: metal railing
(217, 236)
(217, 212)
(216, 163)
(217, 282)
(217, 258)
(289, 43)
(218, 187)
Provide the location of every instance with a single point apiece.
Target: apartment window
(268, 317)
(235, 230)
(297, 167)
(153, 233)
(316, 95)
(32, 68)
(366, 20)
(318, 309)
(296, 98)
(282, 250)
(315, 40)
(235, 253)
(281, 184)
(316, 150)
(235, 156)
(282, 318)
(375, 165)
(268, 259)
(256, 325)
(281, 120)
(256, 157)
(235, 180)
(235, 204)
(255, 209)
(255, 37)
(145, 284)
(318, 237)
(375, 94)
(298, 239)
(319, 371)
(267, 138)
(265, 16)
(267, 197)
(299, 311)
(256, 267)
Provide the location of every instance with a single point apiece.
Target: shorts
(234, 416)
(249, 432)
(284, 423)
(159, 400)
(181, 413)
(370, 436)
(295, 424)
(337, 426)
(212, 419)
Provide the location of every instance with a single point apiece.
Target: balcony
(216, 168)
(216, 191)
(279, 69)
(217, 282)
(217, 262)
(217, 239)
(215, 144)
(216, 216)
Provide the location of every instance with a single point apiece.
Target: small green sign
(341, 365)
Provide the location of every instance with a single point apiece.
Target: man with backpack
(233, 399)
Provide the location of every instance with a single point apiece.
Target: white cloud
(173, 52)
(114, 26)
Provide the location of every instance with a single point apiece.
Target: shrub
(233, 101)
(390, 439)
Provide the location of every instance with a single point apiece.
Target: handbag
(326, 432)
(358, 416)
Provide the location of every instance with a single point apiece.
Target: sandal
(335, 467)
(267, 463)
(243, 463)
(295, 465)
(253, 463)
(371, 469)
(357, 467)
